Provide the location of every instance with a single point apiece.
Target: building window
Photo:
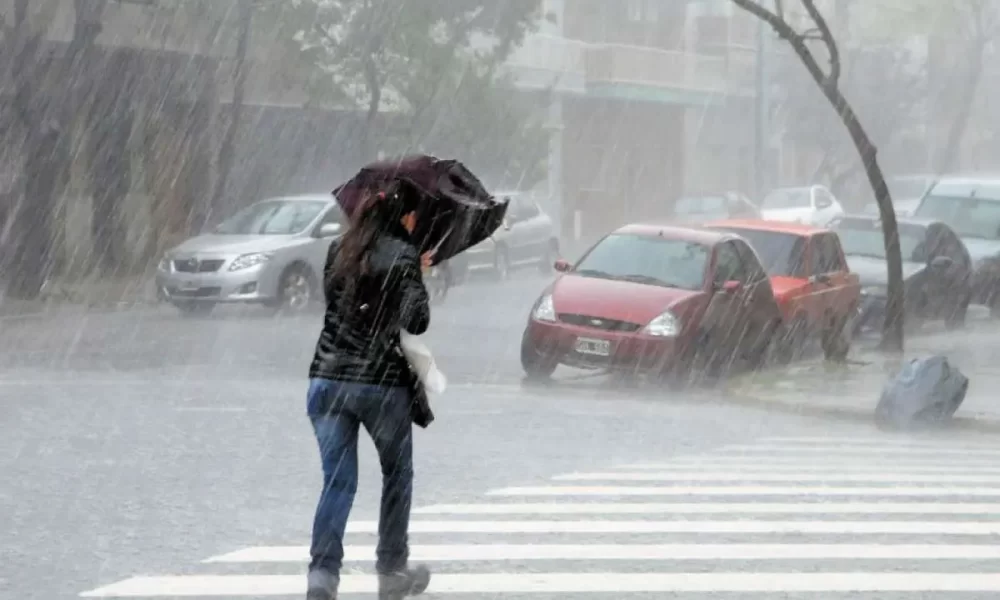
(642, 10)
(652, 10)
(634, 10)
(710, 8)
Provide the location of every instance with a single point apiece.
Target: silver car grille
(193, 265)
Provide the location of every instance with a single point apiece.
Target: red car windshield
(646, 259)
(781, 254)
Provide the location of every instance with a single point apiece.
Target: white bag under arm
(422, 361)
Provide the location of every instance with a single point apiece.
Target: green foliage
(433, 66)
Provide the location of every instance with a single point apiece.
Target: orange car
(817, 293)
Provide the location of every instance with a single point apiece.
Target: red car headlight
(665, 325)
(545, 310)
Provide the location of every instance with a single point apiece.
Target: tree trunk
(37, 106)
(892, 329)
(111, 180)
(228, 149)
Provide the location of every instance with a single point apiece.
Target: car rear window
(967, 215)
(781, 254)
(863, 237)
(788, 198)
(272, 217)
(647, 259)
(908, 187)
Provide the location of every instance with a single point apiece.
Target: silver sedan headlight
(247, 261)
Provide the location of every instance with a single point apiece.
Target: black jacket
(360, 338)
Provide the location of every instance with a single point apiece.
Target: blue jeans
(336, 410)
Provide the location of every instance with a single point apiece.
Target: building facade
(649, 99)
(647, 96)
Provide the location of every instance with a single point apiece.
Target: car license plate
(188, 286)
(593, 347)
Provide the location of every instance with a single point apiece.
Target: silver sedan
(271, 253)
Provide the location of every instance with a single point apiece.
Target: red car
(655, 299)
(817, 293)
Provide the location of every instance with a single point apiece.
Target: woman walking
(374, 288)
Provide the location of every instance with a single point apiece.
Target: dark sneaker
(322, 585)
(408, 582)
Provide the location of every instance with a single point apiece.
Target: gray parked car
(271, 252)
(971, 207)
(528, 238)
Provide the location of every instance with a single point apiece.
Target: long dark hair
(380, 212)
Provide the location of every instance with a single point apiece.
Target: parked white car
(811, 205)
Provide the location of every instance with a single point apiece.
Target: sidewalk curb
(56, 308)
(981, 423)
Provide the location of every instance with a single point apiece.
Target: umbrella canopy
(455, 212)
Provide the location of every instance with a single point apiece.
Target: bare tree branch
(775, 20)
(892, 332)
(786, 32)
(831, 44)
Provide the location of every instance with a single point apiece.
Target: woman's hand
(426, 258)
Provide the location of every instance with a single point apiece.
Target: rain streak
(469, 299)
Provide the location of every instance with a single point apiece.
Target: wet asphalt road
(141, 443)
(475, 336)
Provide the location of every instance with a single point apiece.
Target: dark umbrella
(455, 210)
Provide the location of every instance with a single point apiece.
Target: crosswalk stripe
(889, 438)
(744, 490)
(506, 552)
(609, 508)
(780, 477)
(682, 526)
(824, 479)
(904, 441)
(847, 450)
(809, 466)
(822, 461)
(566, 583)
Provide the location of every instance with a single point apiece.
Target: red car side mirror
(731, 287)
(562, 265)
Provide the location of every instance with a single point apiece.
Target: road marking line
(871, 452)
(819, 462)
(904, 441)
(211, 409)
(780, 477)
(812, 467)
(743, 490)
(608, 508)
(575, 583)
(499, 552)
(683, 526)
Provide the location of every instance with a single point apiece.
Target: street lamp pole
(761, 164)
